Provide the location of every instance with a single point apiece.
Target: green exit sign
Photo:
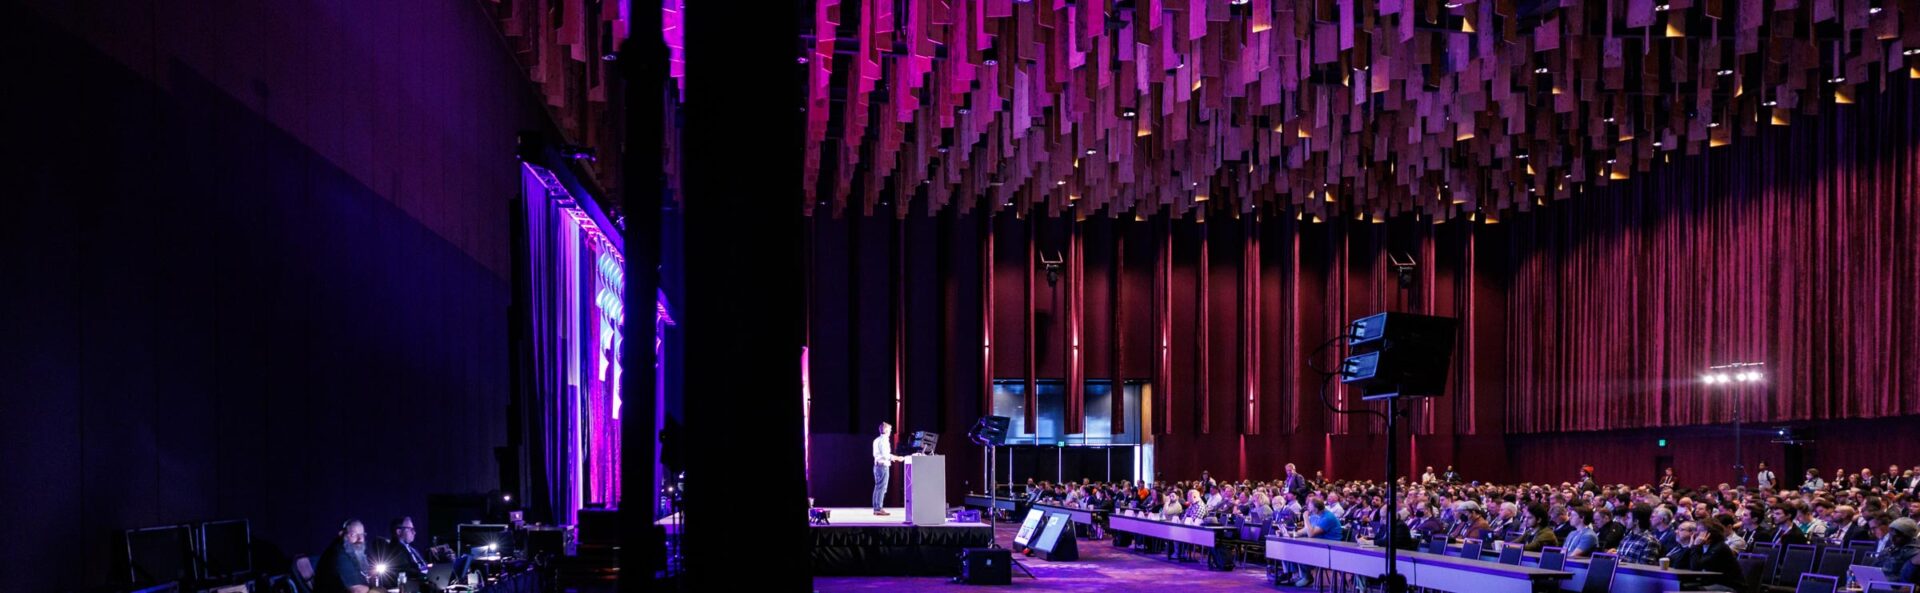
(1663, 442)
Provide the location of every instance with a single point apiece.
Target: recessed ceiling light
(1662, 7)
(1129, 114)
(1874, 10)
(1837, 79)
(1725, 72)
(1092, 151)
(1911, 52)
(1607, 120)
(1769, 103)
(1713, 124)
(1612, 161)
(1656, 144)
(964, 111)
(1239, 2)
(1540, 70)
(1521, 156)
(1060, 182)
(1454, 5)
(990, 62)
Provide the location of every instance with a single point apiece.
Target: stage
(856, 542)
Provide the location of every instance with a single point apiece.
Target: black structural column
(745, 498)
(644, 71)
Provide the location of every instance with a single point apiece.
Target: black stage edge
(893, 550)
(745, 506)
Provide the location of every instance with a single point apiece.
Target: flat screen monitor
(1028, 526)
(477, 535)
(157, 555)
(1056, 522)
(226, 549)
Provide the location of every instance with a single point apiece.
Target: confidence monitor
(225, 549)
(160, 554)
(1029, 527)
(1057, 540)
(1396, 354)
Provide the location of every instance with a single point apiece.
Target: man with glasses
(399, 555)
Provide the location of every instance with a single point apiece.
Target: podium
(927, 489)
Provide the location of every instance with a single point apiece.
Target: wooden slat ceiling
(1319, 108)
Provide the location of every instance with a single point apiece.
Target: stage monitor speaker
(1399, 354)
(986, 566)
(1057, 541)
(990, 430)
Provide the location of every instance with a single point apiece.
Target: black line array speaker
(1396, 354)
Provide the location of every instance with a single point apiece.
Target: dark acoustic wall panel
(246, 277)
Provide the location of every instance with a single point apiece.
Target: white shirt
(882, 452)
(1766, 478)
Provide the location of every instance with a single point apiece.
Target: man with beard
(343, 567)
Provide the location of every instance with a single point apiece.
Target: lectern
(927, 489)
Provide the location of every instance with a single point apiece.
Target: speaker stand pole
(993, 508)
(1393, 581)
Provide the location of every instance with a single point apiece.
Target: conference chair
(1600, 573)
(1834, 562)
(1863, 551)
(1512, 554)
(1437, 544)
(1553, 558)
(1772, 552)
(1470, 550)
(302, 574)
(1796, 561)
(1817, 583)
(1753, 571)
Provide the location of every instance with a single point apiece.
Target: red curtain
(1799, 248)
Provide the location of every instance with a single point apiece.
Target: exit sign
(1663, 442)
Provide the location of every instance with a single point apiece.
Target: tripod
(993, 506)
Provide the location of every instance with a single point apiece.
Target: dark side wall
(254, 263)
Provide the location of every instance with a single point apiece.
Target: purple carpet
(1101, 568)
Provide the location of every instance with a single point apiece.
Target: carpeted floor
(1101, 568)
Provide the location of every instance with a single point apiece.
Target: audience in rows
(1694, 527)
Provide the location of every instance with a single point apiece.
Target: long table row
(1440, 572)
(1369, 560)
